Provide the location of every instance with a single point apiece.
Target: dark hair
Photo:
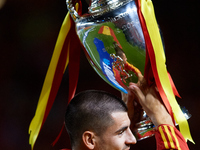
(118, 50)
(91, 111)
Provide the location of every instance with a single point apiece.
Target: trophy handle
(74, 14)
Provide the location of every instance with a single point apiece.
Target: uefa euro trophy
(113, 39)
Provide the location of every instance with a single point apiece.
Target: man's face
(118, 136)
(124, 58)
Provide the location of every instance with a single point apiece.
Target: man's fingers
(139, 94)
(124, 97)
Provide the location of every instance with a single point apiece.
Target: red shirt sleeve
(168, 137)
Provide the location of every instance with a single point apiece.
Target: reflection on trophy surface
(106, 32)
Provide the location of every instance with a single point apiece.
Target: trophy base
(146, 128)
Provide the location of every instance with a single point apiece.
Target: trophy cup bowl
(111, 28)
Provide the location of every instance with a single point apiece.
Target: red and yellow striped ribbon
(39, 118)
(147, 11)
(66, 48)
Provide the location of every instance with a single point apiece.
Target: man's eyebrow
(122, 129)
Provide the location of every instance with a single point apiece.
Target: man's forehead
(120, 117)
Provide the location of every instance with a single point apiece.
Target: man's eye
(121, 132)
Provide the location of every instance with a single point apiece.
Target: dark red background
(28, 32)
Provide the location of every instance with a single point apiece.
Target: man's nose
(131, 138)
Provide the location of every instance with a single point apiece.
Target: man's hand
(150, 101)
(135, 111)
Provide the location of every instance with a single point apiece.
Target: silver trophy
(113, 40)
(114, 44)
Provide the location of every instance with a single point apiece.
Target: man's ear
(89, 139)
